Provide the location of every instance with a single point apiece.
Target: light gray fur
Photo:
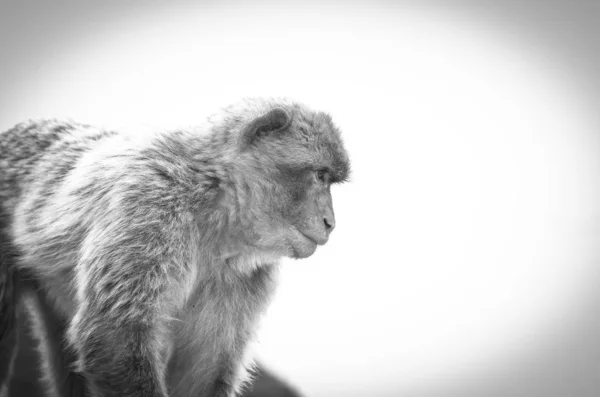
(161, 252)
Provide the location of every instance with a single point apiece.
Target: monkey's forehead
(338, 160)
(324, 138)
(321, 134)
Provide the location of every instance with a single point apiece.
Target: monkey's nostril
(329, 224)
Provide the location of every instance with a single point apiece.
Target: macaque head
(295, 155)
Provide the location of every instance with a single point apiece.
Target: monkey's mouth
(319, 240)
(303, 247)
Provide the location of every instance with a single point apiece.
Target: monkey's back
(35, 159)
(41, 151)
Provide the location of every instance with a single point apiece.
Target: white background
(465, 260)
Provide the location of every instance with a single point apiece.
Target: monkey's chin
(303, 247)
(304, 252)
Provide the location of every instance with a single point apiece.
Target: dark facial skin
(308, 209)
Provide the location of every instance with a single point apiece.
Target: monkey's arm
(126, 277)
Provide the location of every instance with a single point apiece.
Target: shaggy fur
(161, 252)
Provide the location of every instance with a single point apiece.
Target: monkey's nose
(329, 222)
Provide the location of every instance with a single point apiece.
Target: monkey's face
(312, 214)
(301, 157)
(304, 209)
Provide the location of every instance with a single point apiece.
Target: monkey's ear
(274, 120)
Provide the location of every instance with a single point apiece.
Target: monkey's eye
(322, 175)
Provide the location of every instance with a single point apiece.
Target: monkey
(161, 252)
